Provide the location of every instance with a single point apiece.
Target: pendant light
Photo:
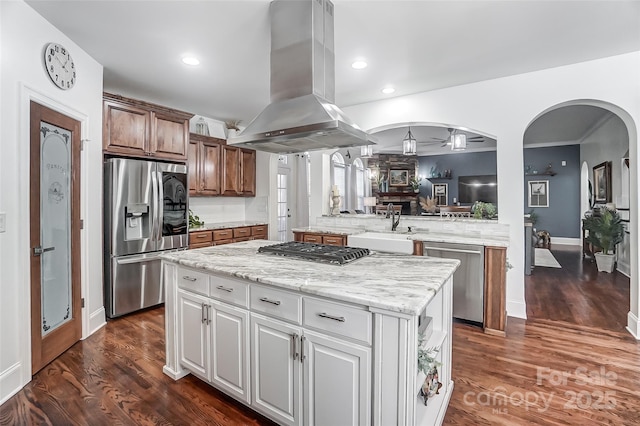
(366, 151)
(458, 142)
(409, 144)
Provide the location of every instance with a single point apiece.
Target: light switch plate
(3, 222)
(564, 163)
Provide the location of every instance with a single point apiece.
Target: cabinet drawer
(199, 237)
(276, 303)
(241, 232)
(222, 234)
(230, 290)
(259, 231)
(311, 238)
(333, 240)
(221, 242)
(237, 240)
(342, 320)
(199, 245)
(193, 281)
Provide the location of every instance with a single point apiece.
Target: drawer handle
(201, 236)
(294, 337)
(188, 278)
(227, 289)
(273, 302)
(325, 315)
(302, 355)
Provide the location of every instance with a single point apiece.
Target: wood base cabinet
(320, 238)
(216, 237)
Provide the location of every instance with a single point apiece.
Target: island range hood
(302, 115)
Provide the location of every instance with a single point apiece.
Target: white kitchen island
(310, 343)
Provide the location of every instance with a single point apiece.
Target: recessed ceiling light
(359, 64)
(388, 90)
(191, 60)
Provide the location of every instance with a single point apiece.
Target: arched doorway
(608, 133)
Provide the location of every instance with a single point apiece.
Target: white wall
(23, 35)
(504, 108)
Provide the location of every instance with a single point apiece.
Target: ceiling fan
(450, 138)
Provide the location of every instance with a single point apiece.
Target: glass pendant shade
(366, 151)
(409, 144)
(458, 142)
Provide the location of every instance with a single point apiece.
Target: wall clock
(60, 66)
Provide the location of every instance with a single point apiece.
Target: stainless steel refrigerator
(145, 214)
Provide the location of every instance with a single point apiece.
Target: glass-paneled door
(54, 234)
(283, 199)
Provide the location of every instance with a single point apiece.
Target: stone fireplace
(401, 194)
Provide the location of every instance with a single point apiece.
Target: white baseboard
(633, 325)
(10, 382)
(97, 320)
(565, 241)
(516, 309)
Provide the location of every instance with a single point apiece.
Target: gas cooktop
(322, 253)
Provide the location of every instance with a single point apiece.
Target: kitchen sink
(382, 241)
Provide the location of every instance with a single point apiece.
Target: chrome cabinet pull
(302, 355)
(227, 289)
(188, 278)
(294, 336)
(37, 251)
(273, 302)
(325, 315)
(203, 317)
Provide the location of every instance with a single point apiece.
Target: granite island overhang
(362, 318)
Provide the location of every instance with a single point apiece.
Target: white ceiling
(414, 45)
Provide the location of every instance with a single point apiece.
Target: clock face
(60, 66)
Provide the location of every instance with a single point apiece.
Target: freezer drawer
(135, 284)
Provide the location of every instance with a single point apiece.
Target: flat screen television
(478, 188)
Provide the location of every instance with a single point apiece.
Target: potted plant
(605, 231)
(232, 127)
(414, 182)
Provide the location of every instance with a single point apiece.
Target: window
(339, 177)
(360, 180)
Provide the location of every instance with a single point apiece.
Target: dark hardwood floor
(570, 363)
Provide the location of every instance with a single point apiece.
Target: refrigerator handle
(155, 229)
(160, 205)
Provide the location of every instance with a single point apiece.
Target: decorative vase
(605, 262)
(202, 128)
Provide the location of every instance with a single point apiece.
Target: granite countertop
(224, 225)
(479, 240)
(428, 236)
(330, 230)
(395, 282)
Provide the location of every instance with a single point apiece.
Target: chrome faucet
(392, 214)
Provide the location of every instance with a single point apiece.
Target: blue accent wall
(561, 218)
(460, 164)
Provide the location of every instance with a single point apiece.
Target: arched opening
(574, 138)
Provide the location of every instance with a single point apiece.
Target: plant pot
(605, 262)
(231, 133)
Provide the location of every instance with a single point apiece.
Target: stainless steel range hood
(302, 115)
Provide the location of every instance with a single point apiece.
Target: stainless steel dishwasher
(468, 280)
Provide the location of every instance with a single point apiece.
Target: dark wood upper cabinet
(231, 172)
(204, 165)
(141, 129)
(248, 172)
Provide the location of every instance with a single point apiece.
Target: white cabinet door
(276, 386)
(229, 349)
(193, 332)
(337, 381)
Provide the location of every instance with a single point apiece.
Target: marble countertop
(224, 225)
(395, 282)
(330, 230)
(428, 236)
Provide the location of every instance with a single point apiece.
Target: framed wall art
(398, 177)
(602, 182)
(538, 193)
(439, 192)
